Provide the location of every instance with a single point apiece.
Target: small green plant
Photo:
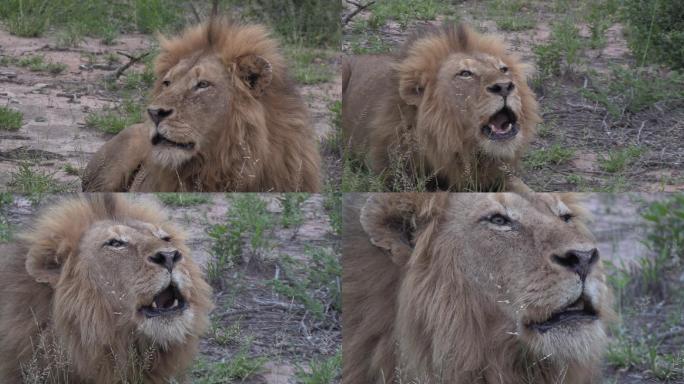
(38, 63)
(510, 15)
(69, 169)
(5, 228)
(618, 160)
(656, 31)
(562, 52)
(10, 120)
(405, 11)
(183, 199)
(114, 120)
(292, 215)
(237, 368)
(321, 371)
(225, 336)
(554, 155)
(315, 284)
(70, 36)
(34, 183)
(333, 205)
(311, 66)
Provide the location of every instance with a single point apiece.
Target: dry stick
(194, 12)
(359, 7)
(131, 60)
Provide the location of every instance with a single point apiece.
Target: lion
(224, 116)
(471, 288)
(451, 111)
(102, 290)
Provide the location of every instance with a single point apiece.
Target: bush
(656, 31)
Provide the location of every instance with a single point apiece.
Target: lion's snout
(166, 258)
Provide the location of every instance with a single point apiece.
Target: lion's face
(536, 263)
(192, 104)
(143, 274)
(483, 93)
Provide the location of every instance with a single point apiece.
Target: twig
(131, 60)
(194, 12)
(359, 7)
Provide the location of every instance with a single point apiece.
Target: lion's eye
(202, 84)
(499, 219)
(166, 238)
(567, 217)
(166, 83)
(115, 243)
(504, 69)
(465, 73)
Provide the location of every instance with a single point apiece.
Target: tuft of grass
(10, 120)
(372, 44)
(69, 37)
(183, 199)
(71, 170)
(37, 63)
(561, 52)
(238, 368)
(510, 15)
(6, 200)
(321, 371)
(311, 66)
(333, 205)
(314, 283)
(292, 215)
(114, 120)
(656, 31)
(634, 90)
(554, 155)
(619, 159)
(34, 183)
(405, 11)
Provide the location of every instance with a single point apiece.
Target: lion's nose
(502, 89)
(166, 259)
(579, 262)
(158, 114)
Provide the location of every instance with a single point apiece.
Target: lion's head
(471, 96)
(207, 78)
(122, 281)
(491, 285)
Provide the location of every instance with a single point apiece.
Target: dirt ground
(53, 133)
(271, 326)
(570, 120)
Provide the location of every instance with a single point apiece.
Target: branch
(359, 7)
(194, 12)
(131, 60)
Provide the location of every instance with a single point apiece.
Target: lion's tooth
(175, 303)
(510, 125)
(154, 304)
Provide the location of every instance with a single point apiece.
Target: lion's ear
(390, 222)
(256, 72)
(44, 262)
(411, 88)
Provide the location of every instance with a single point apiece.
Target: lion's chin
(169, 157)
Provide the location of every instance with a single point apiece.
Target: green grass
(10, 120)
(543, 157)
(5, 228)
(324, 371)
(315, 283)
(369, 44)
(183, 199)
(114, 120)
(311, 65)
(36, 63)
(618, 160)
(333, 205)
(69, 37)
(34, 183)
(561, 52)
(630, 90)
(405, 12)
(510, 15)
(656, 31)
(236, 368)
(292, 215)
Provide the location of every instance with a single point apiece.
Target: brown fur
(250, 128)
(411, 111)
(435, 294)
(69, 307)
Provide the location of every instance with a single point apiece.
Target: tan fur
(412, 110)
(250, 127)
(434, 293)
(70, 307)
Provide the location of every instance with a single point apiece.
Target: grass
(292, 215)
(246, 217)
(10, 120)
(321, 371)
(333, 205)
(543, 157)
(561, 52)
(183, 199)
(36, 63)
(34, 183)
(630, 90)
(405, 11)
(510, 15)
(6, 199)
(238, 367)
(114, 120)
(311, 65)
(618, 160)
(69, 37)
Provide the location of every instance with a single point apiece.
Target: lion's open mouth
(159, 139)
(580, 311)
(503, 125)
(168, 302)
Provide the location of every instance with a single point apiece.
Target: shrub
(656, 31)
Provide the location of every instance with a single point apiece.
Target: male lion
(451, 110)
(471, 288)
(101, 290)
(224, 116)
